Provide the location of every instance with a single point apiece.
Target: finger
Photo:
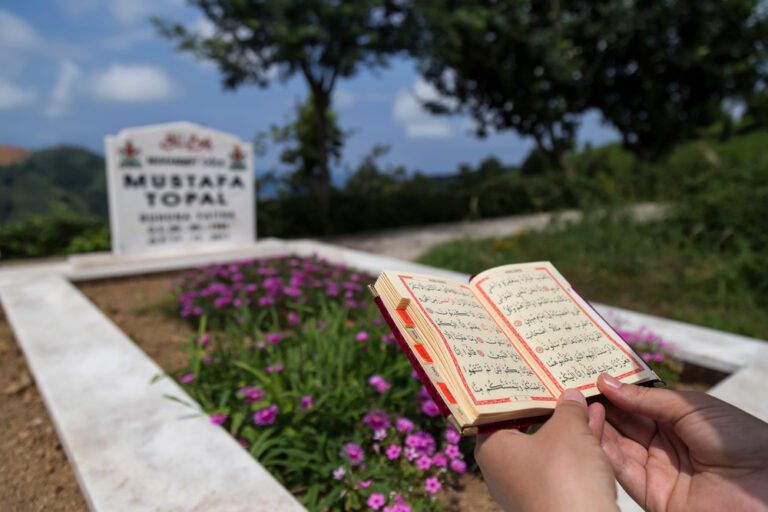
(628, 460)
(486, 444)
(633, 426)
(658, 404)
(596, 422)
(571, 415)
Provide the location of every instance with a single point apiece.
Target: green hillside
(61, 178)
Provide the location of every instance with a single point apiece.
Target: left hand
(560, 467)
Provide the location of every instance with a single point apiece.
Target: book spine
(412, 358)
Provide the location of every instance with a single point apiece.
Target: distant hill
(11, 154)
(63, 177)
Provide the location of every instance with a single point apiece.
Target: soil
(34, 472)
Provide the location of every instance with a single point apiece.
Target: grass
(652, 268)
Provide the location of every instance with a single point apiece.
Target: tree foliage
(301, 151)
(656, 71)
(260, 41)
(507, 64)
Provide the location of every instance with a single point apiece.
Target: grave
(133, 448)
(178, 187)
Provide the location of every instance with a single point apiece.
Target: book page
(489, 367)
(559, 331)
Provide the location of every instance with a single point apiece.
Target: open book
(500, 350)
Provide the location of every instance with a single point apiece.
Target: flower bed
(292, 358)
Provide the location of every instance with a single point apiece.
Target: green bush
(61, 233)
(292, 358)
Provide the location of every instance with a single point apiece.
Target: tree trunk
(321, 101)
(555, 155)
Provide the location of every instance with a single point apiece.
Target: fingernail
(610, 381)
(573, 395)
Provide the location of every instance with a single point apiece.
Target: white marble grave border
(133, 449)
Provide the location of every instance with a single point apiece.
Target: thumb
(571, 414)
(661, 405)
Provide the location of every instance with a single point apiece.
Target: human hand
(560, 467)
(678, 451)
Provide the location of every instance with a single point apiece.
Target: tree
(370, 179)
(657, 71)
(259, 41)
(304, 148)
(510, 65)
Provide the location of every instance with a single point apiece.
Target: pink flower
(275, 368)
(421, 442)
(218, 419)
(452, 436)
(452, 451)
(458, 466)
(379, 384)
(205, 339)
(338, 474)
(306, 402)
(432, 485)
(274, 337)
(293, 318)
(354, 453)
(439, 460)
(430, 408)
(261, 345)
(376, 501)
(251, 394)
(364, 484)
(404, 425)
(423, 463)
(292, 291)
(376, 419)
(188, 378)
(362, 336)
(380, 434)
(265, 416)
(393, 451)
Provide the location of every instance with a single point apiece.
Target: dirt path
(410, 243)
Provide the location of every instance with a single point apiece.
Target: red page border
(453, 357)
(533, 354)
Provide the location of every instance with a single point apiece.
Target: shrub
(61, 233)
(293, 361)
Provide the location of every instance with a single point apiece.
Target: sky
(73, 71)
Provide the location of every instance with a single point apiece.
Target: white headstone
(179, 186)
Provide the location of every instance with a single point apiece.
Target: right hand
(679, 451)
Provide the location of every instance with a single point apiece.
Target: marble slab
(130, 446)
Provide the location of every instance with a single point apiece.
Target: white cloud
(77, 7)
(16, 33)
(132, 11)
(18, 40)
(13, 96)
(419, 123)
(125, 12)
(133, 84)
(127, 40)
(344, 98)
(64, 90)
(204, 27)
